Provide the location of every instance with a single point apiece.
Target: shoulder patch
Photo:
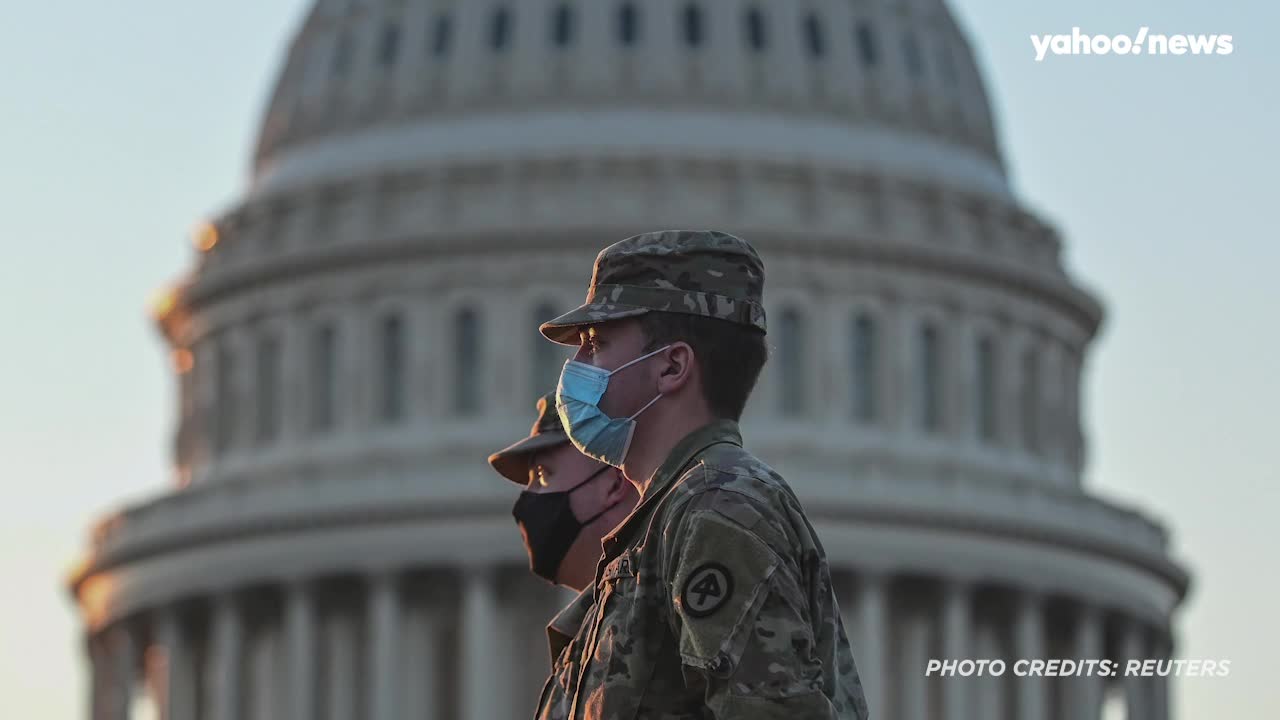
(706, 590)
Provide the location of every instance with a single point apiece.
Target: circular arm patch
(706, 590)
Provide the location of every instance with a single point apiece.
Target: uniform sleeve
(738, 615)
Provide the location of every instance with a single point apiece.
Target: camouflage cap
(699, 272)
(547, 431)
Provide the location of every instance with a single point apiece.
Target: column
(913, 701)
(1135, 686)
(1029, 641)
(1085, 700)
(989, 695)
(175, 686)
(227, 655)
(420, 672)
(1160, 683)
(957, 617)
(341, 653)
(122, 672)
(872, 629)
(300, 639)
(264, 666)
(480, 700)
(384, 647)
(100, 673)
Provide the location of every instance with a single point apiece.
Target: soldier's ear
(678, 368)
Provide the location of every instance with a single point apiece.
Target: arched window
(865, 39)
(791, 354)
(911, 53)
(814, 39)
(1031, 401)
(548, 357)
(756, 38)
(389, 48)
(341, 54)
(986, 400)
(466, 370)
(391, 365)
(562, 26)
(628, 24)
(499, 28)
(323, 376)
(863, 355)
(224, 418)
(930, 380)
(267, 389)
(693, 25)
(441, 35)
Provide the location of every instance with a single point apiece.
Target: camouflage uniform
(512, 463)
(713, 598)
(557, 693)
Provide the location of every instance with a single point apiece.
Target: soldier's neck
(654, 440)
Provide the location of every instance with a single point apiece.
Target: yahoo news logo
(1077, 43)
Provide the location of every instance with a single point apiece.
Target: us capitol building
(432, 179)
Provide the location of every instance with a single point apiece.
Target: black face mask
(549, 527)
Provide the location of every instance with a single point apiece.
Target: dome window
(864, 368)
(389, 48)
(562, 26)
(693, 31)
(813, 36)
(628, 30)
(1031, 401)
(225, 410)
(440, 35)
(929, 366)
(499, 29)
(791, 353)
(466, 374)
(865, 39)
(323, 377)
(755, 29)
(985, 390)
(267, 390)
(391, 351)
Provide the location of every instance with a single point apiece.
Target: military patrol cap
(547, 431)
(698, 272)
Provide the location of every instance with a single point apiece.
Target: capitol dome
(433, 178)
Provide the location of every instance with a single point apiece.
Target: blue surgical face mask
(595, 434)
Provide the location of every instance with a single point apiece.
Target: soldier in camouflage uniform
(561, 526)
(713, 598)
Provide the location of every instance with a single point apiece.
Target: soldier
(568, 503)
(713, 598)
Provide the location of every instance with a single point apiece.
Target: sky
(123, 125)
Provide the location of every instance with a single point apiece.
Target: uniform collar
(717, 431)
(564, 626)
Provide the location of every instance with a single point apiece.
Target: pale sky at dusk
(122, 125)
